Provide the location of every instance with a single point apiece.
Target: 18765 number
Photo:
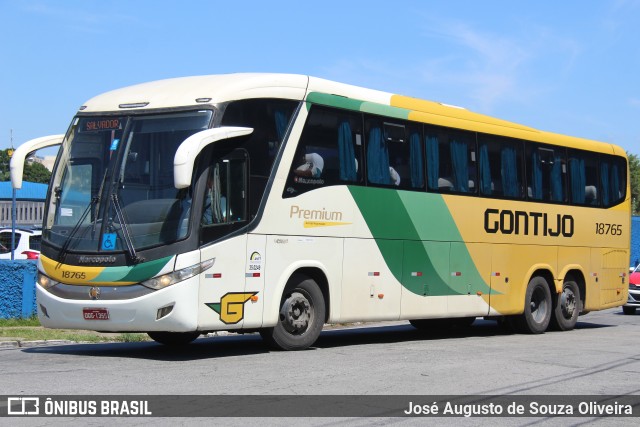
(611, 229)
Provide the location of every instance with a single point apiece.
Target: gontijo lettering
(527, 223)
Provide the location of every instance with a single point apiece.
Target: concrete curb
(13, 344)
(4, 345)
(7, 344)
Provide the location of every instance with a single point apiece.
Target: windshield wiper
(74, 230)
(126, 236)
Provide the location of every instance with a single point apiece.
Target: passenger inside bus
(312, 166)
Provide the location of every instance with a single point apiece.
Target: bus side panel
(469, 278)
(288, 254)
(222, 298)
(256, 261)
(424, 278)
(610, 266)
(579, 256)
(370, 287)
(511, 270)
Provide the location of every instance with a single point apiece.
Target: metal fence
(27, 213)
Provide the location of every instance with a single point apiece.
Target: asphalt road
(600, 357)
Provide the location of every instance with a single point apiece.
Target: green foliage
(634, 175)
(13, 322)
(33, 171)
(4, 165)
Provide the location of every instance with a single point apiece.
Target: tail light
(31, 254)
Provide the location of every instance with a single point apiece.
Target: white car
(27, 243)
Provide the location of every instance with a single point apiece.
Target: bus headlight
(45, 281)
(165, 280)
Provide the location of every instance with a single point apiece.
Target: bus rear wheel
(567, 307)
(537, 308)
(301, 317)
(173, 339)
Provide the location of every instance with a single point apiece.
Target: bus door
(224, 300)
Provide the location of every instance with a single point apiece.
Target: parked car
(27, 243)
(633, 301)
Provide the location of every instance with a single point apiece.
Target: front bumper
(140, 314)
(633, 300)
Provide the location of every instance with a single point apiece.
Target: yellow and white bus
(278, 203)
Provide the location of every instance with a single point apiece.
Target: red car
(633, 301)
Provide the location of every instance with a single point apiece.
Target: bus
(277, 203)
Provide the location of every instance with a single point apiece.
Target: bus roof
(213, 89)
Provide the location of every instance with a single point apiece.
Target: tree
(4, 165)
(36, 172)
(33, 171)
(634, 176)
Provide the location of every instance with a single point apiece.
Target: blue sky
(570, 66)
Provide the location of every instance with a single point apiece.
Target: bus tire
(567, 307)
(537, 308)
(302, 315)
(628, 310)
(173, 339)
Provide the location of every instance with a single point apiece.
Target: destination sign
(101, 124)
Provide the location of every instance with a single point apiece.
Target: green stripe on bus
(356, 105)
(137, 273)
(334, 101)
(423, 222)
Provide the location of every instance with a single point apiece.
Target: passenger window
(394, 154)
(613, 171)
(451, 161)
(583, 178)
(500, 167)
(546, 173)
(269, 119)
(329, 151)
(416, 157)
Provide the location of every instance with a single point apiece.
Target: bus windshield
(113, 186)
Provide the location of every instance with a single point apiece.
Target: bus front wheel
(537, 308)
(173, 339)
(301, 317)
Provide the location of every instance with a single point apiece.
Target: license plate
(95, 313)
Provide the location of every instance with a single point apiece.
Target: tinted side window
(5, 242)
(329, 151)
(394, 153)
(546, 173)
(451, 161)
(269, 119)
(500, 167)
(583, 178)
(35, 242)
(613, 180)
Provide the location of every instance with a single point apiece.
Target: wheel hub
(295, 314)
(567, 303)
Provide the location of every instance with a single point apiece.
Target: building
(29, 203)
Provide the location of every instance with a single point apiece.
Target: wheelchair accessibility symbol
(108, 241)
